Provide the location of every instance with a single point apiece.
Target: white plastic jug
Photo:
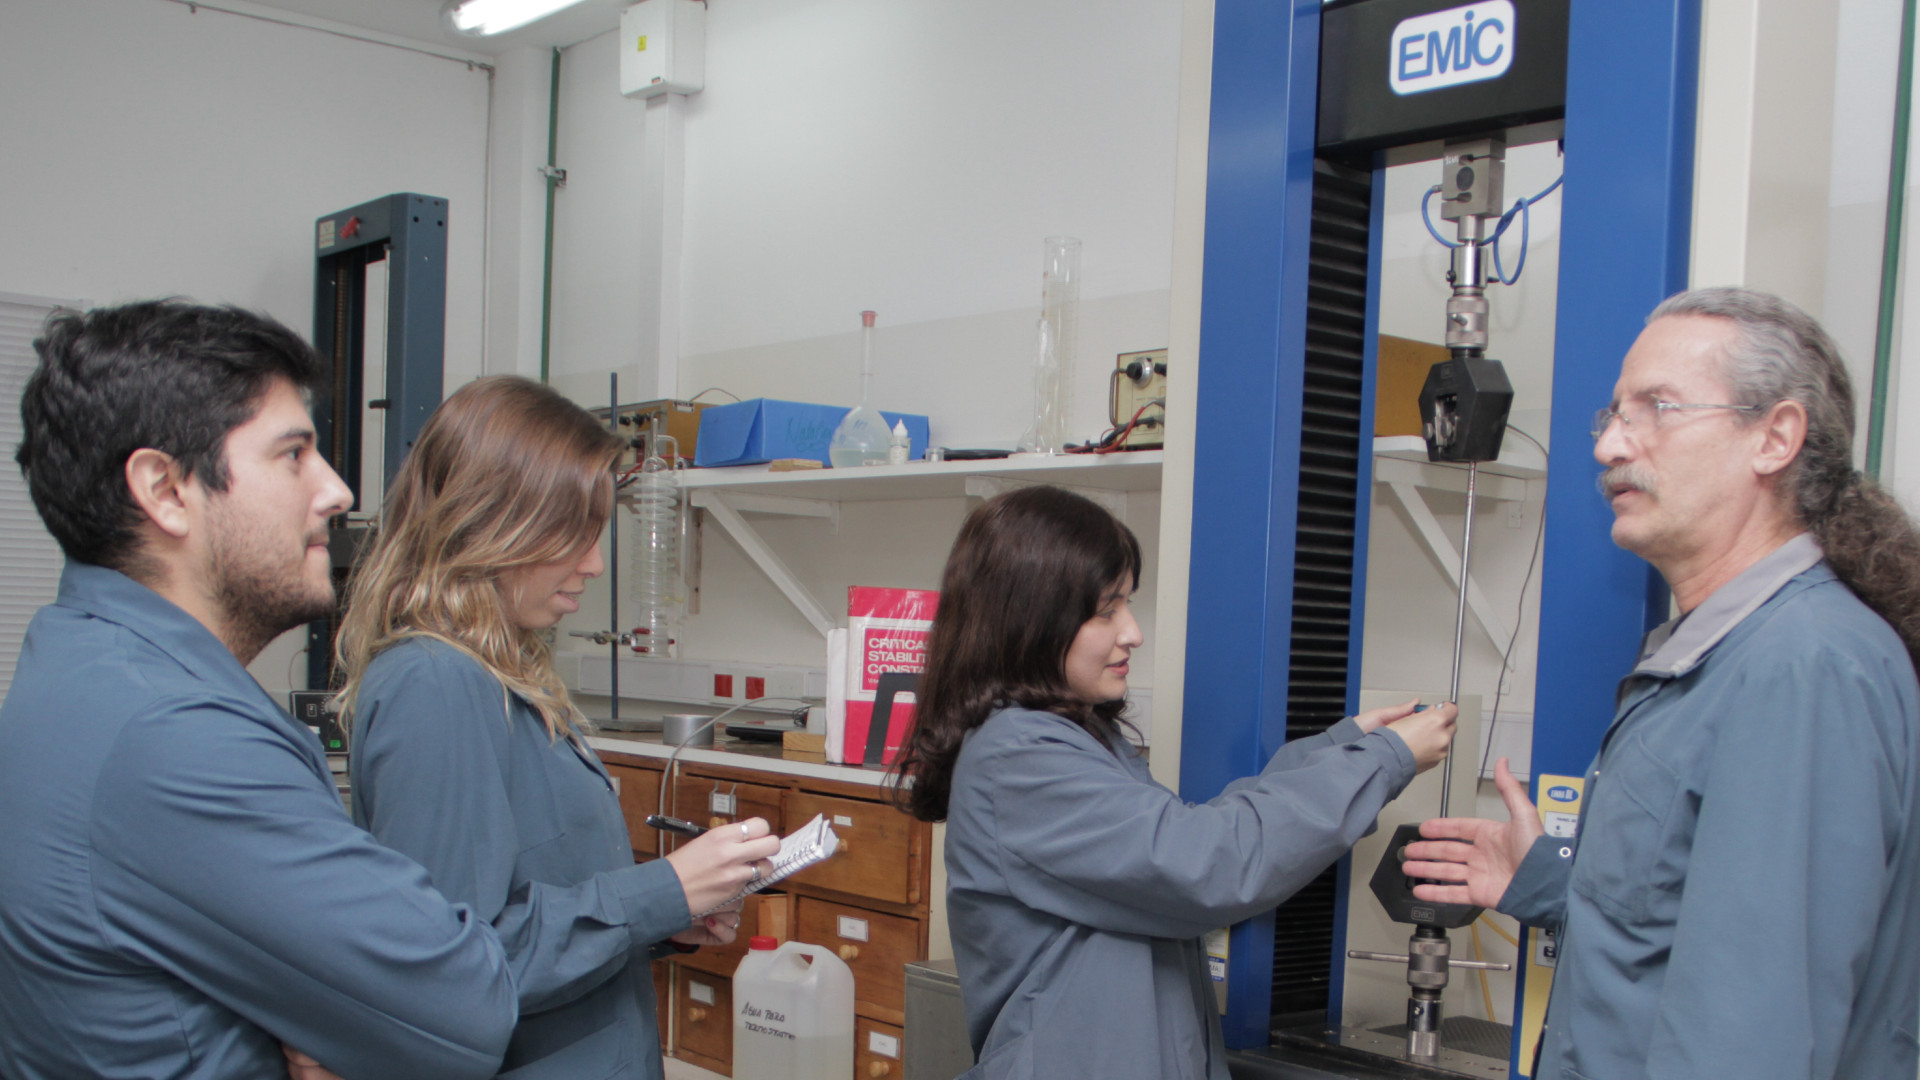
(792, 1013)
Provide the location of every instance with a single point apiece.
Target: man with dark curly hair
(181, 892)
(1743, 894)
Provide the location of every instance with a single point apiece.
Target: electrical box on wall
(663, 48)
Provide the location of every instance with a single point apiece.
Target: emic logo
(1448, 48)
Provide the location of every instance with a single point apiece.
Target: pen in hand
(674, 825)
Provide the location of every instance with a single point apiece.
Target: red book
(886, 651)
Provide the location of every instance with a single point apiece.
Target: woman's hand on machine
(1427, 733)
(1375, 718)
(714, 867)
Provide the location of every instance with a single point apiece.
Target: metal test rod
(1459, 628)
(613, 542)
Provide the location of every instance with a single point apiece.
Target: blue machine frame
(410, 232)
(1631, 89)
(413, 230)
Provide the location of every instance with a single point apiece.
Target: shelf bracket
(1448, 556)
(725, 509)
(778, 505)
(986, 487)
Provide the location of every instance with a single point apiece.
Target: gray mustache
(1624, 476)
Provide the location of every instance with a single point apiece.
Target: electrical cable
(673, 759)
(1486, 993)
(1427, 219)
(714, 390)
(1109, 441)
(1487, 917)
(1523, 207)
(1519, 612)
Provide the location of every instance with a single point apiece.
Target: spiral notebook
(810, 843)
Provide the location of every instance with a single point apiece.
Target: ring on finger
(743, 831)
(756, 873)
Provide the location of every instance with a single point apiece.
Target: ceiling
(419, 20)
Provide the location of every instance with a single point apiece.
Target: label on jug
(764, 1021)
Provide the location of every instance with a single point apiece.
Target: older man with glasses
(1743, 895)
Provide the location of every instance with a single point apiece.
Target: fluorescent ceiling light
(483, 18)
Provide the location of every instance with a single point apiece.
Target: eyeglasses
(1647, 415)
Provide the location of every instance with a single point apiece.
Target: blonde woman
(466, 749)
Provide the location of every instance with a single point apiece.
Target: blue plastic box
(762, 429)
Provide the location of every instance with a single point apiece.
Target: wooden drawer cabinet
(639, 796)
(766, 913)
(877, 1051)
(703, 1019)
(868, 904)
(714, 801)
(663, 1001)
(878, 857)
(876, 946)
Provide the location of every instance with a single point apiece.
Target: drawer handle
(878, 1069)
(695, 1014)
(715, 822)
(849, 952)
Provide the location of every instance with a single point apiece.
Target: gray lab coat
(528, 830)
(1078, 888)
(1743, 898)
(180, 889)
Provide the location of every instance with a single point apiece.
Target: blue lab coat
(180, 888)
(1743, 895)
(450, 769)
(1078, 888)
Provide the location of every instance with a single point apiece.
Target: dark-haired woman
(1077, 887)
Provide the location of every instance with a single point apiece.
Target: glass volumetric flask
(862, 437)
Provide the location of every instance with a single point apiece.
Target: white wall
(1869, 37)
(1762, 146)
(153, 151)
(906, 157)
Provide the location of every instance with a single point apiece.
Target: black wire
(1519, 612)
(714, 390)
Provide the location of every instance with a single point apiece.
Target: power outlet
(736, 684)
(1140, 383)
(320, 711)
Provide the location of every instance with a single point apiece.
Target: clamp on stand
(1463, 409)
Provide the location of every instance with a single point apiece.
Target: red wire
(1115, 445)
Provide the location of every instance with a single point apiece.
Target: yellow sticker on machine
(1559, 804)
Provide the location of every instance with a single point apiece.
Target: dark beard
(257, 601)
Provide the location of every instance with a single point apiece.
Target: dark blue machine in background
(409, 232)
(1260, 576)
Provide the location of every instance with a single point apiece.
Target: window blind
(30, 561)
